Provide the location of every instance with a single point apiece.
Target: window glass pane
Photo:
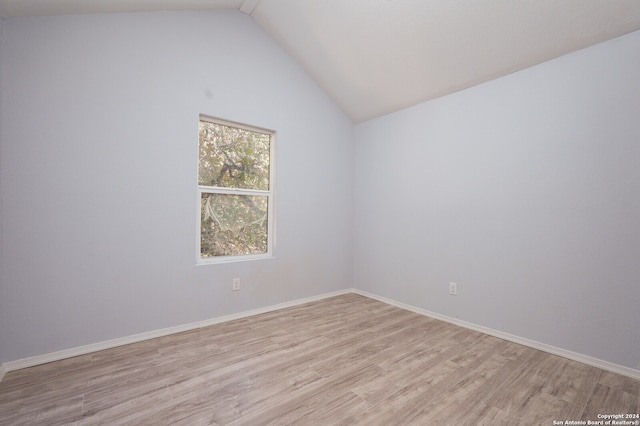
(233, 224)
(231, 157)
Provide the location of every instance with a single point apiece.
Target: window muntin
(235, 184)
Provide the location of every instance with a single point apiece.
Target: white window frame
(270, 193)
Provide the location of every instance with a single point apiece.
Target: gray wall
(526, 192)
(99, 156)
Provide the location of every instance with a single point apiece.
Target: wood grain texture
(347, 360)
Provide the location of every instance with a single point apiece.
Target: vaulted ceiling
(374, 57)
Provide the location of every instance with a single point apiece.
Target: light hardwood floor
(347, 360)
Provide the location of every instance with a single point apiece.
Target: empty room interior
(423, 212)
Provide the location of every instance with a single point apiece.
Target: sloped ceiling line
(374, 57)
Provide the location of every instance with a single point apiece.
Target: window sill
(233, 259)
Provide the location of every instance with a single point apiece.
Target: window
(235, 185)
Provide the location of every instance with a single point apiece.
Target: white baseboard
(605, 365)
(94, 347)
(83, 350)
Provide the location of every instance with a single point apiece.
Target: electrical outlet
(453, 289)
(236, 284)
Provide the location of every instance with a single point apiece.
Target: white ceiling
(16, 8)
(374, 57)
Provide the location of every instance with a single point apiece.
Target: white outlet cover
(453, 289)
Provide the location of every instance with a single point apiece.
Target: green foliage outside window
(232, 157)
(234, 180)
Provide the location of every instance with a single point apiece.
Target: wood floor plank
(616, 381)
(610, 401)
(573, 382)
(484, 414)
(346, 360)
(525, 382)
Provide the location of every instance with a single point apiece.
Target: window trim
(270, 193)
